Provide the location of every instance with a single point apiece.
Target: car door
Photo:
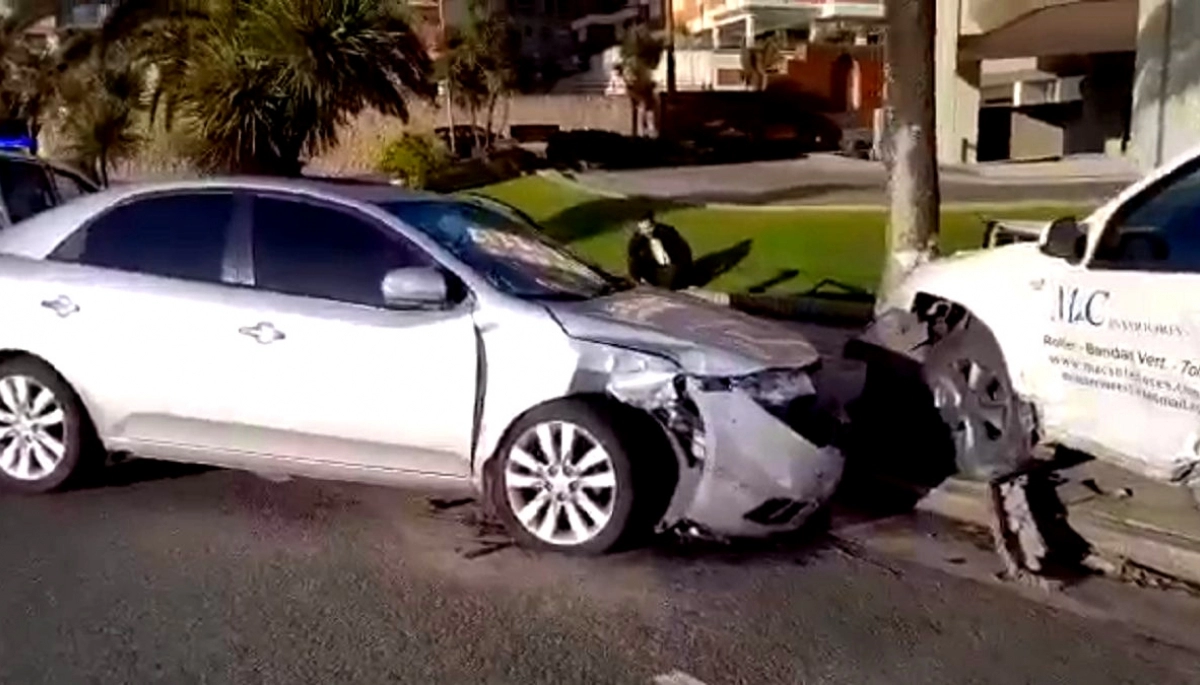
(146, 318)
(1124, 347)
(337, 376)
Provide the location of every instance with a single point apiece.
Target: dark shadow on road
(707, 268)
(132, 471)
(896, 446)
(604, 215)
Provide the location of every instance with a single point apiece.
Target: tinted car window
(1160, 232)
(26, 188)
(301, 248)
(178, 236)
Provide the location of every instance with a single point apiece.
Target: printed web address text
(1113, 378)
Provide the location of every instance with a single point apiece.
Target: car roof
(38, 235)
(366, 190)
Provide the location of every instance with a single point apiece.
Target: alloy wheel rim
(561, 483)
(974, 403)
(32, 429)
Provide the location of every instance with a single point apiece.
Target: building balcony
(1000, 29)
(784, 13)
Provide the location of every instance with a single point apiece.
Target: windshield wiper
(557, 296)
(616, 284)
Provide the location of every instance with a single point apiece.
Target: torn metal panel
(898, 332)
(528, 362)
(754, 461)
(742, 471)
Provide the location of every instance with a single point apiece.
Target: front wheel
(566, 480)
(990, 426)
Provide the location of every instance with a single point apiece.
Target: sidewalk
(823, 180)
(1124, 517)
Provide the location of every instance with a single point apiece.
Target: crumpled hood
(704, 338)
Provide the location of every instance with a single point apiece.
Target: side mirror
(1065, 239)
(415, 287)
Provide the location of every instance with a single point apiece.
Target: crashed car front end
(756, 453)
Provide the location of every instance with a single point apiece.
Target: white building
(1040, 78)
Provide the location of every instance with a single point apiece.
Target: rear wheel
(566, 480)
(43, 428)
(990, 426)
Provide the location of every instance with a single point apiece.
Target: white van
(1088, 337)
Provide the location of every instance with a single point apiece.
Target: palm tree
(641, 52)
(479, 65)
(105, 100)
(27, 68)
(760, 60)
(257, 85)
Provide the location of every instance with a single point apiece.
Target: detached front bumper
(759, 476)
(743, 470)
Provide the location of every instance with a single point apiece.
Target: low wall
(361, 139)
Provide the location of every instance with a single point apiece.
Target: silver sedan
(360, 332)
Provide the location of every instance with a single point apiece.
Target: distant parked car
(30, 185)
(358, 331)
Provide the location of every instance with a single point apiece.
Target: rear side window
(177, 236)
(318, 251)
(26, 189)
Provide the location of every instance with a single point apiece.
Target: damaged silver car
(356, 331)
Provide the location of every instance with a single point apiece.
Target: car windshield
(508, 250)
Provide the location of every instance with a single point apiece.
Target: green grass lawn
(774, 250)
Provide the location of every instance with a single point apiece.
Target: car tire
(606, 489)
(45, 434)
(990, 426)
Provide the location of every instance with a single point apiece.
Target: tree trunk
(450, 119)
(490, 122)
(634, 113)
(475, 130)
(912, 155)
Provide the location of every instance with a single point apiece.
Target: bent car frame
(357, 331)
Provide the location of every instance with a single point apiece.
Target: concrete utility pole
(911, 134)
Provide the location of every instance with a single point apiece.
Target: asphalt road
(177, 575)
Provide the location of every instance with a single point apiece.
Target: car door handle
(61, 305)
(264, 332)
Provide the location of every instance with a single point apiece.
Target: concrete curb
(1160, 551)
